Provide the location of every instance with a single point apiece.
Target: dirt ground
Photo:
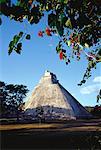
(82, 134)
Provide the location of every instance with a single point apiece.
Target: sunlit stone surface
(55, 102)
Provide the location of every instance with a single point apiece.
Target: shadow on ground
(28, 139)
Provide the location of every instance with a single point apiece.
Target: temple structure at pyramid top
(54, 100)
(49, 78)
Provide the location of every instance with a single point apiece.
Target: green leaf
(98, 97)
(99, 52)
(52, 20)
(3, 1)
(83, 81)
(61, 1)
(79, 84)
(13, 43)
(16, 39)
(64, 56)
(10, 48)
(68, 24)
(66, 1)
(68, 42)
(60, 29)
(20, 34)
(63, 50)
(18, 48)
(58, 48)
(28, 37)
(19, 45)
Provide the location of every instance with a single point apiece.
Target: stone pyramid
(54, 101)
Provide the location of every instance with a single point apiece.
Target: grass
(30, 126)
(71, 135)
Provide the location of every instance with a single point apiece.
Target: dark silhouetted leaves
(58, 48)
(81, 17)
(19, 48)
(99, 96)
(60, 29)
(13, 44)
(63, 50)
(99, 52)
(52, 19)
(0, 21)
(28, 36)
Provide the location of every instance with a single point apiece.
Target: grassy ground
(71, 135)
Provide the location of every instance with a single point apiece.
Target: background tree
(12, 98)
(3, 95)
(96, 111)
(77, 23)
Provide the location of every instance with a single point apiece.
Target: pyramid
(53, 102)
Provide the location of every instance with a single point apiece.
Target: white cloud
(97, 79)
(50, 45)
(93, 88)
(90, 89)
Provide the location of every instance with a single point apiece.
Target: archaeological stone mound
(51, 101)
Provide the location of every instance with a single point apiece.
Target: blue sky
(39, 55)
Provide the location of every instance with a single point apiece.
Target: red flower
(61, 55)
(48, 31)
(40, 33)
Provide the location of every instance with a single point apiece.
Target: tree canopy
(77, 23)
(11, 97)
